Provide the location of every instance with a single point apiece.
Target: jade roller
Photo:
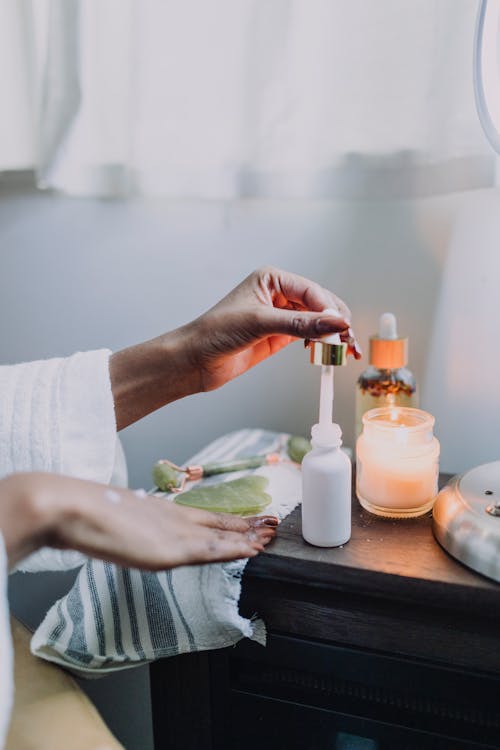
(165, 472)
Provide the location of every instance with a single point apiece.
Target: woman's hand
(121, 526)
(267, 311)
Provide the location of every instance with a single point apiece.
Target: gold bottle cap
(323, 353)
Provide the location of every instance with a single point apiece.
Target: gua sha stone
(242, 497)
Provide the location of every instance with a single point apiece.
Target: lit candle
(397, 462)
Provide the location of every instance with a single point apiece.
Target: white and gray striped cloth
(114, 618)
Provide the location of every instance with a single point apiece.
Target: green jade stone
(165, 477)
(238, 464)
(297, 447)
(241, 497)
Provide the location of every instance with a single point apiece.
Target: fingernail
(357, 347)
(270, 521)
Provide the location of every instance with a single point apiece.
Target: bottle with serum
(326, 469)
(386, 381)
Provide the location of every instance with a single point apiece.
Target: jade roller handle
(239, 464)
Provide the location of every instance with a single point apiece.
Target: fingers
(149, 533)
(293, 309)
(216, 537)
(219, 546)
(304, 325)
(226, 521)
(259, 531)
(222, 521)
(352, 345)
(299, 290)
(223, 550)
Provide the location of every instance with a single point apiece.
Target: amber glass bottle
(386, 381)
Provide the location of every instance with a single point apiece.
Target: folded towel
(114, 618)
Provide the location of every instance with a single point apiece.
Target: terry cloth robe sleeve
(57, 415)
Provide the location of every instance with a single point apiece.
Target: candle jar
(397, 462)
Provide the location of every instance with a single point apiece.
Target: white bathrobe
(56, 415)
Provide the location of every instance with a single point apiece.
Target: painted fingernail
(270, 521)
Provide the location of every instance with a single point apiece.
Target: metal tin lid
(466, 519)
(323, 353)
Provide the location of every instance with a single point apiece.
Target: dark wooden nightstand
(385, 644)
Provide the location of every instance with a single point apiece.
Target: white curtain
(237, 98)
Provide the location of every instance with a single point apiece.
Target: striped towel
(114, 618)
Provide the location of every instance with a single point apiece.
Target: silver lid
(466, 519)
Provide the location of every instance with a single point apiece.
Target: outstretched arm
(119, 525)
(267, 311)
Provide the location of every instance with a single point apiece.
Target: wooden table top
(395, 559)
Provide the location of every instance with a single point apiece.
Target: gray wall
(81, 274)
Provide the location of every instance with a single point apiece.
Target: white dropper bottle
(326, 474)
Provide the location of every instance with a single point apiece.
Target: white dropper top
(387, 327)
